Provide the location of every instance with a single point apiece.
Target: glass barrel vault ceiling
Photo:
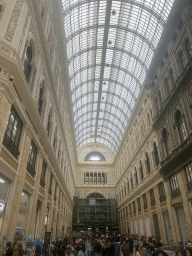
(110, 45)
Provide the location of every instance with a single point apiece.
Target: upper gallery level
(33, 60)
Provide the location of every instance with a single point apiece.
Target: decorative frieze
(14, 20)
(24, 29)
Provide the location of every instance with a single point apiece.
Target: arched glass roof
(110, 45)
(95, 156)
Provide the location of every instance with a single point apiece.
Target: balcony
(31, 170)
(9, 144)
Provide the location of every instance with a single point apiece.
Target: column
(18, 188)
(49, 224)
(185, 201)
(150, 214)
(172, 215)
(32, 215)
(44, 207)
(54, 218)
(4, 111)
(159, 213)
(143, 216)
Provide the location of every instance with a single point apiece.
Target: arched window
(125, 191)
(95, 156)
(159, 99)
(141, 171)
(156, 105)
(148, 119)
(27, 62)
(172, 76)
(181, 126)
(147, 163)
(136, 178)
(40, 101)
(182, 60)
(189, 48)
(165, 138)
(131, 181)
(49, 122)
(55, 138)
(155, 154)
(167, 87)
(128, 188)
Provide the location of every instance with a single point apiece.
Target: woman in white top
(137, 250)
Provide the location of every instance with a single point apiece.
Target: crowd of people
(114, 245)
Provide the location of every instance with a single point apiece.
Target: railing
(31, 170)
(42, 183)
(175, 192)
(9, 144)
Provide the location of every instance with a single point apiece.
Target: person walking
(125, 249)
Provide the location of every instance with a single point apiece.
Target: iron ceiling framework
(110, 46)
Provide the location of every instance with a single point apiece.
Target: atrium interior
(96, 118)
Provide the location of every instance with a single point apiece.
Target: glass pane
(4, 188)
(135, 28)
(21, 218)
(25, 199)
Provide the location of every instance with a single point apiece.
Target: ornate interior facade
(96, 99)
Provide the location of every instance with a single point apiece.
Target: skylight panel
(135, 29)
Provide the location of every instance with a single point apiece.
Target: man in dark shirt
(9, 251)
(125, 249)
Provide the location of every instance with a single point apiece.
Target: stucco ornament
(14, 20)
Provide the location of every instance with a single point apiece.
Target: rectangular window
(13, 133)
(22, 216)
(4, 191)
(32, 159)
(145, 201)
(134, 208)
(43, 173)
(55, 196)
(175, 191)
(188, 172)
(130, 212)
(162, 196)
(139, 204)
(50, 184)
(182, 130)
(152, 196)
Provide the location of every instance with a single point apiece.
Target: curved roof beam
(105, 111)
(112, 142)
(112, 145)
(109, 65)
(112, 26)
(90, 119)
(106, 80)
(131, 2)
(107, 92)
(109, 103)
(109, 48)
(111, 130)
